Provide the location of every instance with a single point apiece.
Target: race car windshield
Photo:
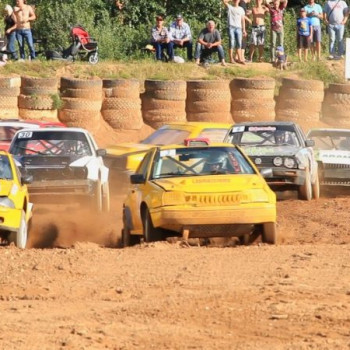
(331, 141)
(166, 137)
(5, 168)
(51, 144)
(257, 137)
(200, 161)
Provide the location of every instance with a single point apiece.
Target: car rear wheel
(150, 233)
(316, 188)
(245, 239)
(269, 233)
(305, 191)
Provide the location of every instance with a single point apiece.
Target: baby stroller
(82, 45)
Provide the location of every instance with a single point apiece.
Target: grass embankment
(327, 71)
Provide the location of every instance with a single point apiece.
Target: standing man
(10, 31)
(181, 35)
(257, 39)
(24, 15)
(277, 32)
(161, 39)
(236, 29)
(315, 13)
(336, 13)
(209, 41)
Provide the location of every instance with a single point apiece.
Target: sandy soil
(76, 290)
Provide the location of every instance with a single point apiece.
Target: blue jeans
(11, 38)
(235, 37)
(336, 33)
(25, 35)
(203, 53)
(188, 45)
(162, 46)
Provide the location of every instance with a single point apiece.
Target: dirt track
(292, 296)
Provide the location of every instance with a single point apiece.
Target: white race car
(332, 152)
(66, 166)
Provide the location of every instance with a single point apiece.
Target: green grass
(328, 72)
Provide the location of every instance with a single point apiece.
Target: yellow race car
(199, 191)
(127, 156)
(15, 208)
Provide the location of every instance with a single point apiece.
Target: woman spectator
(10, 31)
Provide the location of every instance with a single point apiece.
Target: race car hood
(218, 183)
(333, 156)
(5, 187)
(124, 148)
(271, 151)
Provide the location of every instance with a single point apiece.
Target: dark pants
(11, 38)
(188, 45)
(203, 53)
(25, 35)
(162, 46)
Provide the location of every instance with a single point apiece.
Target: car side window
(142, 169)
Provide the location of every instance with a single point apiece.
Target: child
(304, 34)
(281, 58)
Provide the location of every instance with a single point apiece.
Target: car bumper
(335, 177)
(56, 190)
(285, 176)
(177, 218)
(10, 219)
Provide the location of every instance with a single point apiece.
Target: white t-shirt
(234, 16)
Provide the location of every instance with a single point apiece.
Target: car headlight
(277, 161)
(173, 198)
(289, 163)
(6, 202)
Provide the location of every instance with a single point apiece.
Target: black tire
(269, 233)
(305, 191)
(245, 239)
(127, 238)
(150, 233)
(93, 57)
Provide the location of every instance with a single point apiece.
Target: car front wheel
(305, 191)
(150, 233)
(269, 233)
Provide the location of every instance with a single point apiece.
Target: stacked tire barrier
(252, 99)
(300, 100)
(9, 91)
(81, 103)
(121, 107)
(37, 98)
(208, 101)
(336, 105)
(163, 102)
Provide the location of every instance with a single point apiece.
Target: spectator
(161, 40)
(181, 35)
(258, 30)
(336, 14)
(244, 5)
(10, 31)
(315, 13)
(209, 41)
(236, 29)
(277, 32)
(24, 15)
(304, 35)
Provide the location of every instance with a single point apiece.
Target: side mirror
(309, 143)
(137, 179)
(267, 172)
(26, 179)
(101, 152)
